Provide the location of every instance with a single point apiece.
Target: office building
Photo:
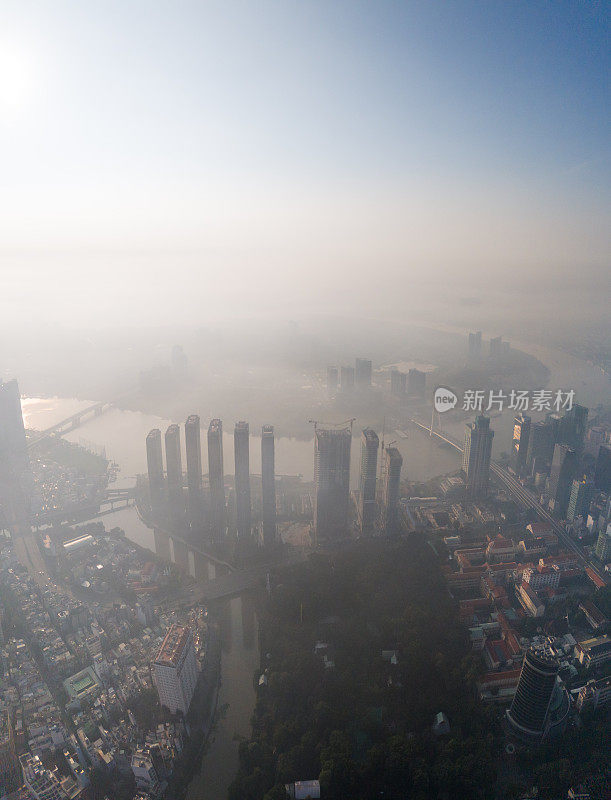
(573, 427)
(475, 345)
(416, 383)
(347, 379)
(496, 347)
(539, 704)
(175, 670)
(179, 361)
(392, 462)
(332, 483)
(332, 381)
(602, 474)
(363, 372)
(369, 468)
(519, 445)
(216, 477)
(564, 466)
(154, 463)
(268, 485)
(398, 383)
(173, 461)
(541, 441)
(194, 470)
(476, 456)
(145, 774)
(241, 447)
(603, 545)
(582, 492)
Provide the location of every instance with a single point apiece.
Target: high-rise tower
(268, 485)
(194, 470)
(173, 460)
(539, 702)
(216, 477)
(476, 456)
(332, 483)
(370, 444)
(564, 466)
(154, 463)
(363, 372)
(519, 444)
(392, 462)
(242, 479)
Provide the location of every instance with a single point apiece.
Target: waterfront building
(332, 381)
(347, 379)
(476, 456)
(154, 463)
(241, 445)
(173, 460)
(370, 444)
(392, 462)
(416, 383)
(216, 477)
(194, 470)
(268, 485)
(332, 483)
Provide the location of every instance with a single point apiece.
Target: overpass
(525, 497)
(111, 500)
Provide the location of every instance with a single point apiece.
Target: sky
(191, 161)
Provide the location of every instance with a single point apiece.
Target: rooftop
(173, 645)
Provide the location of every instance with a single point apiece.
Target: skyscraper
(541, 441)
(216, 477)
(475, 345)
(476, 456)
(332, 483)
(175, 670)
(573, 427)
(564, 465)
(603, 545)
(363, 371)
(154, 463)
(268, 485)
(519, 445)
(392, 461)
(173, 460)
(241, 446)
(602, 474)
(533, 709)
(194, 470)
(370, 444)
(580, 496)
(347, 379)
(398, 383)
(496, 347)
(416, 383)
(332, 381)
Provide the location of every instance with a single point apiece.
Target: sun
(15, 77)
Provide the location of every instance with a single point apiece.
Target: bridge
(525, 497)
(111, 500)
(75, 420)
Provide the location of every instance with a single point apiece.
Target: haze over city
(305, 408)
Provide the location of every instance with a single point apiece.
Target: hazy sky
(207, 158)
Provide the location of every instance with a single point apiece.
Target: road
(526, 498)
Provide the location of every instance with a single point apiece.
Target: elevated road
(525, 497)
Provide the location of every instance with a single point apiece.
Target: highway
(525, 498)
